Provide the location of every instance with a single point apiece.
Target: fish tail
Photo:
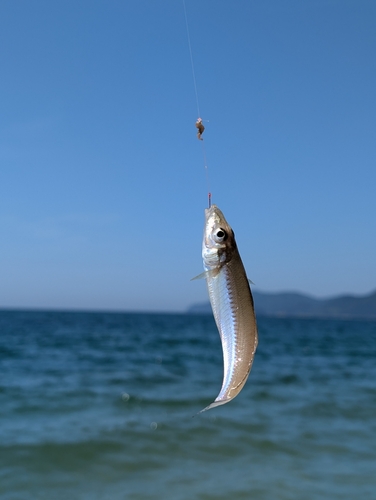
(214, 404)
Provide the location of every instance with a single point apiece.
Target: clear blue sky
(102, 180)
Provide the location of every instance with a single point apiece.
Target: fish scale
(232, 304)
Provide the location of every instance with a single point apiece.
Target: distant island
(289, 304)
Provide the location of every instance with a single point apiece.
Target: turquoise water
(100, 406)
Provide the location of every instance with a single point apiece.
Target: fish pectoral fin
(250, 281)
(200, 276)
(207, 274)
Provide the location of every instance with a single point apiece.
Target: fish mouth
(213, 211)
(210, 210)
(214, 217)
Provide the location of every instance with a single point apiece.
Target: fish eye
(220, 235)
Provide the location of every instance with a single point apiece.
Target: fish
(232, 303)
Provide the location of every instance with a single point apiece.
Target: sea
(105, 406)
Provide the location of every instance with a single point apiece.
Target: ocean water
(97, 406)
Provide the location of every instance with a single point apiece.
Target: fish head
(219, 241)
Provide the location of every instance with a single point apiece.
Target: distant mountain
(297, 304)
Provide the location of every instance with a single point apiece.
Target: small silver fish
(232, 303)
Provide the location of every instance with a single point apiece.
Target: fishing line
(190, 53)
(197, 103)
(207, 173)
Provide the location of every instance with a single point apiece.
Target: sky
(103, 183)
